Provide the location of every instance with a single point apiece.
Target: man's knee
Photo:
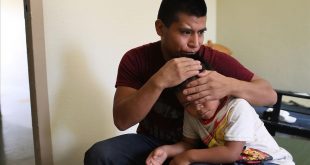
(123, 149)
(99, 153)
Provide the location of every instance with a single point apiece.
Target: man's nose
(194, 41)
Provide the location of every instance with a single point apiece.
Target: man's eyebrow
(186, 28)
(190, 29)
(203, 30)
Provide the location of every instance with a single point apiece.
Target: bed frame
(271, 119)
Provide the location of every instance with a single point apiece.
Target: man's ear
(159, 25)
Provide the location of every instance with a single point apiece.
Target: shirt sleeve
(241, 122)
(228, 65)
(129, 71)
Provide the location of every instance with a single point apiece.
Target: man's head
(181, 25)
(169, 10)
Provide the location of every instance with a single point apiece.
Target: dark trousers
(128, 149)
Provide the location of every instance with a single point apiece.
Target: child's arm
(228, 153)
(160, 154)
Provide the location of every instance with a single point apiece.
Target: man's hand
(176, 71)
(157, 157)
(210, 86)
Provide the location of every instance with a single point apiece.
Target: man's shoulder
(148, 55)
(145, 48)
(144, 52)
(213, 56)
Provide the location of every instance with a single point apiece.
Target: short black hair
(169, 9)
(205, 66)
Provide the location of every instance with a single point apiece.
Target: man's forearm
(130, 109)
(257, 92)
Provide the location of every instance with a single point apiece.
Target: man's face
(184, 36)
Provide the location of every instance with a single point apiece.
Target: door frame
(34, 23)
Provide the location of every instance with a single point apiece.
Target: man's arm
(132, 105)
(257, 92)
(228, 153)
(212, 85)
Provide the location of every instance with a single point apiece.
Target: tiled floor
(16, 145)
(16, 141)
(298, 147)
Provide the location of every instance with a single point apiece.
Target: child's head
(205, 110)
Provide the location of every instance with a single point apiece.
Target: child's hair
(205, 66)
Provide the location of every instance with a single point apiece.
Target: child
(229, 127)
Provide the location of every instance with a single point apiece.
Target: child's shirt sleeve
(241, 122)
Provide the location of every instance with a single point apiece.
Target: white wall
(85, 41)
(211, 20)
(272, 38)
(14, 70)
(16, 127)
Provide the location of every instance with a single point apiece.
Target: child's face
(205, 110)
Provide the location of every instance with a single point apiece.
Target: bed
(301, 127)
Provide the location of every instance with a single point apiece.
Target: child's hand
(157, 157)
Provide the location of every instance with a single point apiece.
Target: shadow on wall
(82, 113)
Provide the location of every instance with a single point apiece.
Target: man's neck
(164, 53)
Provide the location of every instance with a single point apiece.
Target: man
(147, 73)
